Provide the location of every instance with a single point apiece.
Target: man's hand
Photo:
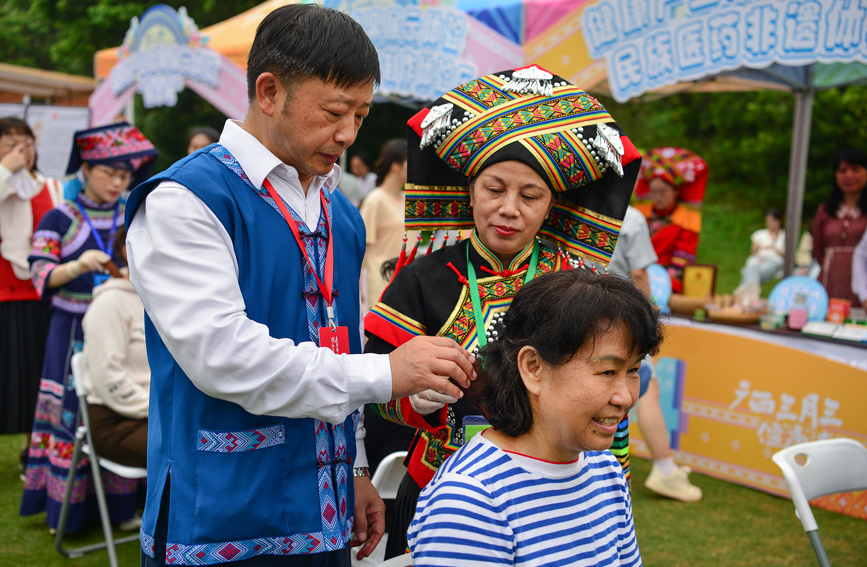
(427, 363)
(369, 517)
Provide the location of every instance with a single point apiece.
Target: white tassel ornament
(609, 148)
(436, 123)
(531, 80)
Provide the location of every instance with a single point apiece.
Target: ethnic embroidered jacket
(245, 485)
(431, 297)
(62, 236)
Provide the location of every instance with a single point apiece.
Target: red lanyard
(329, 256)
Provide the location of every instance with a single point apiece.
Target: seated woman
(540, 486)
(538, 178)
(669, 193)
(117, 377)
(768, 251)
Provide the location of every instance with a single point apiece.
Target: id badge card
(99, 279)
(334, 338)
(473, 425)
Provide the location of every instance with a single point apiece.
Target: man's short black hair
(302, 41)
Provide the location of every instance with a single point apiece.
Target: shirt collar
(258, 162)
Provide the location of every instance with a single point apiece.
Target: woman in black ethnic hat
(70, 248)
(516, 156)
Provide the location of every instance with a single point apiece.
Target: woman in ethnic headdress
(70, 249)
(669, 193)
(514, 156)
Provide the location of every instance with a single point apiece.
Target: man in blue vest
(248, 263)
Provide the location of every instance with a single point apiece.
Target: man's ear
(531, 367)
(269, 91)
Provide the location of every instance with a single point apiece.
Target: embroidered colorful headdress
(685, 171)
(118, 145)
(539, 119)
(679, 167)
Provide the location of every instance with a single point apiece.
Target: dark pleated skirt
(23, 333)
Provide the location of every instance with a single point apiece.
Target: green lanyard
(474, 291)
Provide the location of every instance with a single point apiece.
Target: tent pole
(798, 172)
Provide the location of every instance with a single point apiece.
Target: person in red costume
(669, 193)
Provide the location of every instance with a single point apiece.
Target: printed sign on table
(731, 401)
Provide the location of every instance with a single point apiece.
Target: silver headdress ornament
(531, 80)
(437, 121)
(609, 146)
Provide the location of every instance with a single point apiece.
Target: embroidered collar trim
(91, 204)
(492, 259)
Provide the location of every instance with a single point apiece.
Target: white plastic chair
(83, 446)
(388, 475)
(817, 469)
(399, 561)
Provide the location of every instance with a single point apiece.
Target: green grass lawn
(732, 526)
(25, 542)
(725, 238)
(735, 526)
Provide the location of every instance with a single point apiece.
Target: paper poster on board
(53, 127)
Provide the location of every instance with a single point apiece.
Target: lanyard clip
(331, 322)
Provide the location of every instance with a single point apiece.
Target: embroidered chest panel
(441, 443)
(496, 294)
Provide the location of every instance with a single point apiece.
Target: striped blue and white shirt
(489, 507)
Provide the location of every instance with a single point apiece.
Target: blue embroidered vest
(244, 485)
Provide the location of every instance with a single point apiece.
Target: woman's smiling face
(510, 202)
(577, 406)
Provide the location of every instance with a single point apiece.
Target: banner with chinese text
(647, 44)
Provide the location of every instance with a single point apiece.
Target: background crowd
(48, 310)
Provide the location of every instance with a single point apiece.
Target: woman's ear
(531, 367)
(85, 169)
(554, 198)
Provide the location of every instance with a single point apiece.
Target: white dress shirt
(183, 265)
(634, 250)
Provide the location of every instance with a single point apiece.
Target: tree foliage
(746, 138)
(63, 35)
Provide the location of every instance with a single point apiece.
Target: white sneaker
(131, 525)
(676, 486)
